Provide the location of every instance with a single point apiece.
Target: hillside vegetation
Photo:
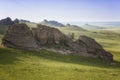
(46, 65)
(92, 27)
(108, 39)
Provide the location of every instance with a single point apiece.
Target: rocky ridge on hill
(19, 36)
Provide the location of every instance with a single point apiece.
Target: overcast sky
(61, 10)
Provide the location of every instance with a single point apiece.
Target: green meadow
(46, 65)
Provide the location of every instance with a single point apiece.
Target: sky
(61, 10)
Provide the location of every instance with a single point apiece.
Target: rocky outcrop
(84, 46)
(6, 21)
(74, 27)
(19, 36)
(49, 36)
(92, 48)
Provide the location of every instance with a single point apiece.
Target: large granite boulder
(19, 36)
(49, 36)
(92, 48)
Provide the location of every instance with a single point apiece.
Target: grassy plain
(45, 65)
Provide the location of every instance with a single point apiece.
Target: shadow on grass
(10, 56)
(87, 61)
(7, 56)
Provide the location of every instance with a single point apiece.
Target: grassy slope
(108, 39)
(31, 25)
(45, 65)
(114, 29)
(72, 28)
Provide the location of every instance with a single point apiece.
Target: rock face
(48, 36)
(84, 46)
(19, 36)
(93, 48)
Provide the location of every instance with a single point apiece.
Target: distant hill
(52, 23)
(29, 23)
(4, 23)
(62, 26)
(92, 27)
(7, 21)
(74, 27)
(23, 21)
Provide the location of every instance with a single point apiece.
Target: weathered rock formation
(84, 46)
(19, 36)
(49, 36)
(93, 48)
